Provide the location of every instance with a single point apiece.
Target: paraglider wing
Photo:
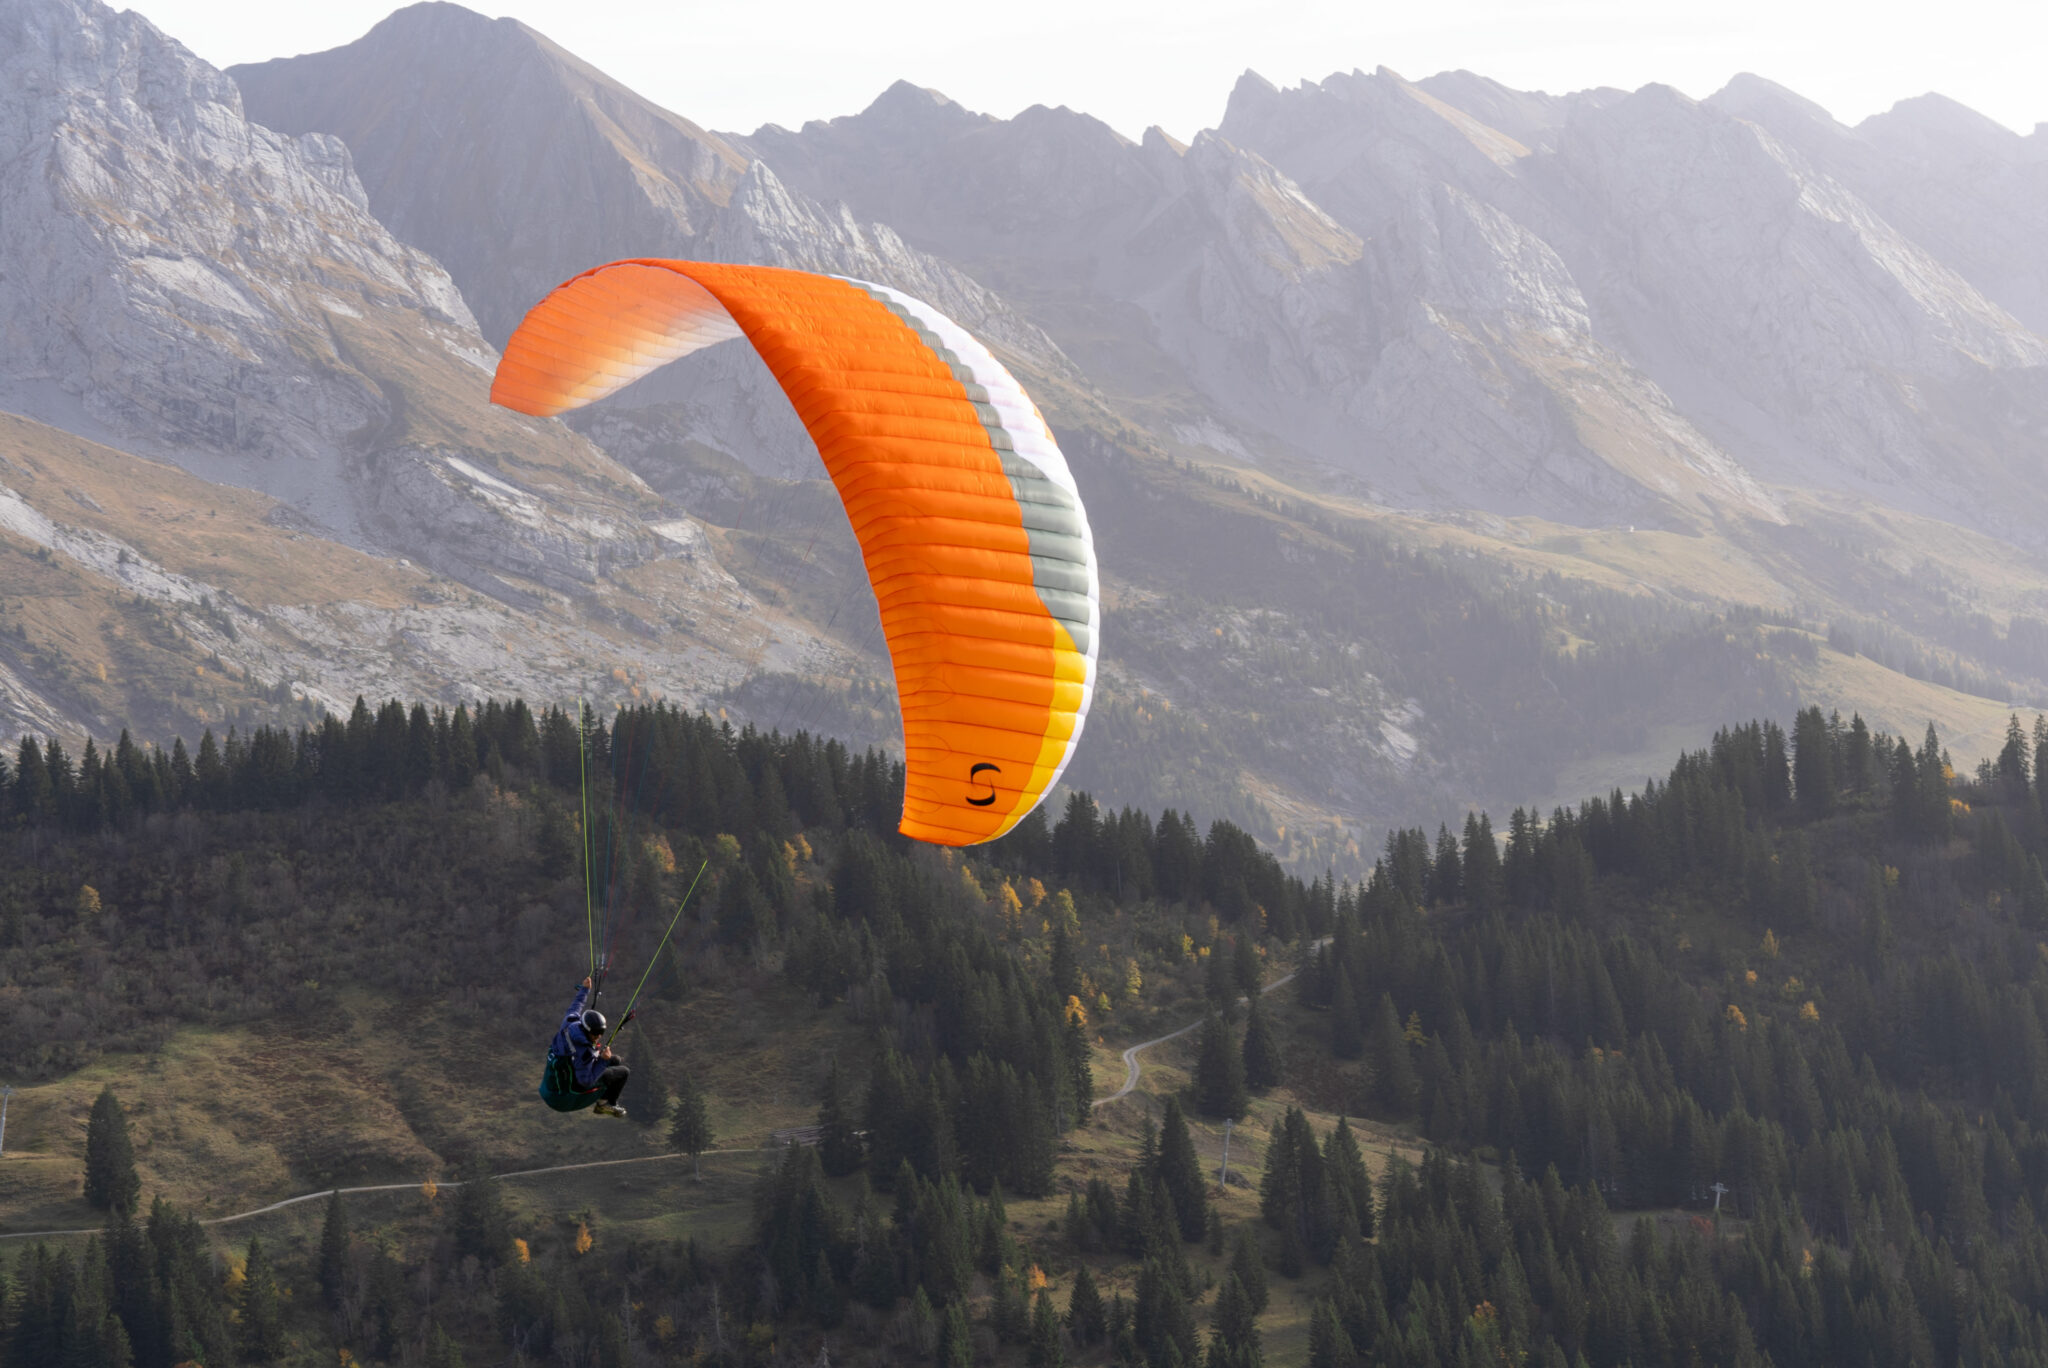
(969, 521)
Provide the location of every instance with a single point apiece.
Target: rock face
(1763, 280)
(457, 121)
(1600, 308)
(1970, 191)
(518, 165)
(183, 281)
(1818, 343)
(1428, 347)
(170, 267)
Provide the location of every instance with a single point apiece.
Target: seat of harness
(558, 1085)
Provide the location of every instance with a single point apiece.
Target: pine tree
(795, 1224)
(1180, 1173)
(1261, 1053)
(110, 1180)
(1046, 1349)
(1085, 1312)
(1905, 784)
(1294, 1194)
(1347, 1038)
(460, 766)
(1394, 1080)
(1220, 1074)
(1248, 1266)
(924, 1321)
(1813, 764)
(1244, 964)
(1518, 863)
(1234, 1342)
(1065, 967)
(1080, 1070)
(956, 1340)
(1328, 1345)
(93, 1334)
(690, 1132)
(41, 1306)
(480, 1224)
(838, 1141)
(1162, 1320)
(1009, 1314)
(443, 1352)
(262, 1311)
(1777, 778)
(1219, 983)
(334, 1241)
(651, 1097)
(2015, 759)
(2041, 759)
(1484, 888)
(1858, 757)
(1349, 1183)
(1937, 817)
(1447, 873)
(998, 1248)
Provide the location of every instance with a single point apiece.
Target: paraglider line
(616, 925)
(605, 933)
(656, 957)
(583, 778)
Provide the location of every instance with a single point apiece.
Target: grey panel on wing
(1054, 526)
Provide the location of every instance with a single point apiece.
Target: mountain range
(1447, 444)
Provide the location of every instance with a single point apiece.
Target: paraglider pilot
(582, 1070)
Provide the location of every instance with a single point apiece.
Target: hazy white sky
(736, 64)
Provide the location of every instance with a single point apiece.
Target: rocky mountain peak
(1689, 173)
(1267, 218)
(198, 286)
(1531, 118)
(514, 112)
(1250, 92)
(191, 260)
(1927, 128)
(1749, 96)
(1353, 140)
(1158, 139)
(914, 109)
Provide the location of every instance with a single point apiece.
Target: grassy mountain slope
(155, 600)
(1811, 980)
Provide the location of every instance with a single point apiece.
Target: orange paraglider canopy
(972, 530)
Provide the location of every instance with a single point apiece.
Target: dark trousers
(613, 1081)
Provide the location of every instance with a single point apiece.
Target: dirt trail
(1131, 1054)
(387, 1187)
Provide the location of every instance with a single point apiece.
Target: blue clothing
(574, 1044)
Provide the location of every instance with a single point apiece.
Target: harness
(558, 1086)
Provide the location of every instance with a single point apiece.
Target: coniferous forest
(1748, 1067)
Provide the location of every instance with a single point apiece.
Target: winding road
(1131, 1054)
(1131, 1074)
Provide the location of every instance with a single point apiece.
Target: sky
(735, 66)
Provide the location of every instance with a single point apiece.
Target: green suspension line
(583, 777)
(655, 958)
